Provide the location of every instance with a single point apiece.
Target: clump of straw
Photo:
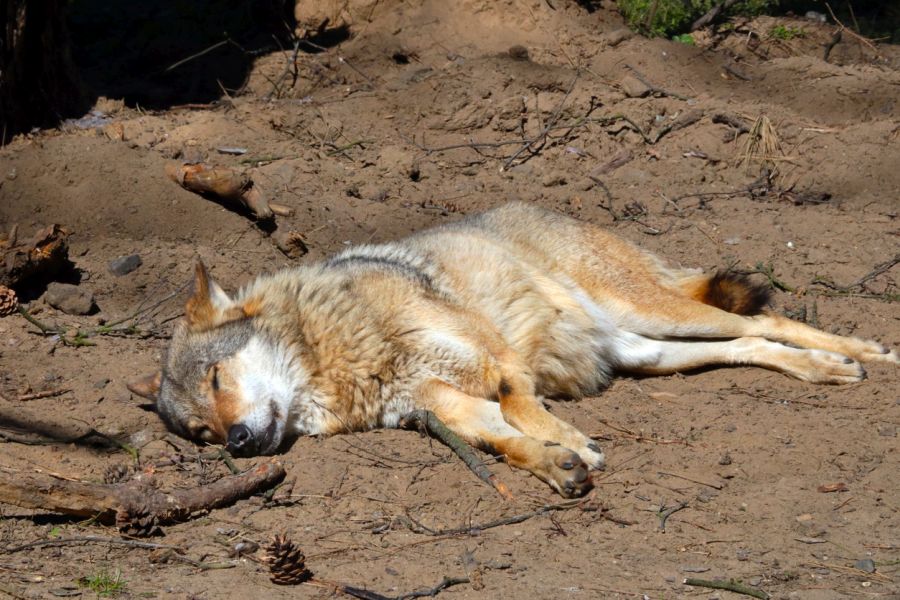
(761, 145)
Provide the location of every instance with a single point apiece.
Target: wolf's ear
(210, 305)
(146, 386)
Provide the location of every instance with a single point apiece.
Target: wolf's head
(223, 380)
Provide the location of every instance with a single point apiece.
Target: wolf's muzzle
(241, 441)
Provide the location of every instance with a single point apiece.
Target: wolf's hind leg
(480, 423)
(672, 315)
(639, 354)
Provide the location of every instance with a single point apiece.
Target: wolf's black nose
(241, 441)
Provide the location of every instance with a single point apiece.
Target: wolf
(477, 321)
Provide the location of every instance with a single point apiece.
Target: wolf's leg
(524, 411)
(677, 316)
(480, 423)
(639, 354)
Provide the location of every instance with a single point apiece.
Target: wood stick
(89, 539)
(226, 184)
(428, 592)
(730, 585)
(136, 506)
(474, 528)
(438, 429)
(712, 14)
(665, 513)
(715, 486)
(654, 88)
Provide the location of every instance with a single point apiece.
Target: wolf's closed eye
(214, 377)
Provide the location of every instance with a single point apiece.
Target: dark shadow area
(46, 519)
(14, 428)
(169, 52)
(876, 19)
(33, 288)
(325, 39)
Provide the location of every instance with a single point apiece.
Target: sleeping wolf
(476, 321)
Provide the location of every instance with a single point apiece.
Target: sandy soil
(354, 146)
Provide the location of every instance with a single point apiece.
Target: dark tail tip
(735, 293)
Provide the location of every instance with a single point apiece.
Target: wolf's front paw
(567, 473)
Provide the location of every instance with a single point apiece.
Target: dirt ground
(375, 137)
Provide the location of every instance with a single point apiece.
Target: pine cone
(137, 524)
(8, 301)
(116, 473)
(286, 562)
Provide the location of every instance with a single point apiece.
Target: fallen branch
(738, 125)
(834, 41)
(428, 592)
(41, 395)
(712, 14)
(429, 421)
(223, 183)
(665, 513)
(135, 507)
(715, 486)
(860, 283)
(542, 136)
(638, 437)
(653, 88)
(124, 326)
(417, 527)
(620, 159)
(731, 585)
(685, 120)
(89, 539)
(861, 39)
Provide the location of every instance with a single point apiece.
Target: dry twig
(664, 514)
(429, 421)
(542, 136)
(654, 88)
(731, 585)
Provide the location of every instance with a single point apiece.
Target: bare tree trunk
(38, 81)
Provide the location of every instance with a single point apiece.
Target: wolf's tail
(730, 291)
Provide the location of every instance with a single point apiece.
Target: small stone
(243, 548)
(742, 554)
(634, 87)
(101, 383)
(124, 264)
(755, 581)
(865, 564)
(69, 298)
(614, 38)
(887, 430)
(518, 52)
(725, 459)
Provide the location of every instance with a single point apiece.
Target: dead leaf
(832, 487)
